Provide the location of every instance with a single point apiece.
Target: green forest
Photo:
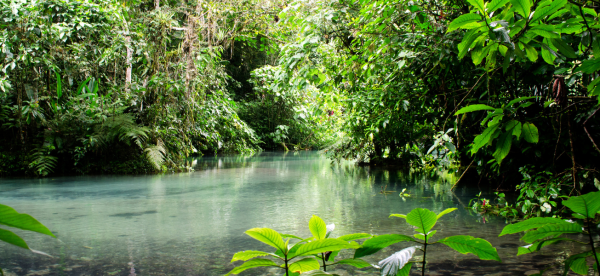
(504, 93)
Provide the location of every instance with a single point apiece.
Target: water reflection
(192, 223)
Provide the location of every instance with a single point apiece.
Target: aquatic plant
(541, 232)
(423, 220)
(12, 218)
(302, 256)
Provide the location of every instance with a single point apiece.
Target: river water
(192, 223)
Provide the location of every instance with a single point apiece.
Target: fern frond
(156, 154)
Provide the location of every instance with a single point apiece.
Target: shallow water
(192, 223)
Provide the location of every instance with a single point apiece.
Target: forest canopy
(508, 89)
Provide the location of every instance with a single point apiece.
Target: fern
(119, 128)
(42, 162)
(156, 154)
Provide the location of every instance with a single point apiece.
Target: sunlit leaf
(587, 204)
(317, 227)
(467, 244)
(247, 255)
(304, 265)
(252, 264)
(359, 263)
(323, 245)
(268, 236)
(377, 243)
(12, 218)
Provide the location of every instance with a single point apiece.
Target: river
(192, 223)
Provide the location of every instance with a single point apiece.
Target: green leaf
(563, 48)
(522, 7)
(520, 99)
(422, 237)
(468, 39)
(323, 245)
(577, 263)
(355, 236)
(483, 138)
(537, 246)
(268, 236)
(405, 270)
(464, 21)
(377, 243)
(503, 146)
(252, 264)
(478, 4)
(58, 85)
(530, 133)
(589, 66)
(304, 265)
(551, 230)
(587, 205)
(12, 238)
(12, 218)
(359, 263)
(288, 236)
(546, 31)
(318, 273)
(247, 255)
(543, 11)
(532, 54)
(473, 107)
(421, 218)
(447, 211)
(531, 223)
(398, 216)
(467, 244)
(495, 4)
(317, 227)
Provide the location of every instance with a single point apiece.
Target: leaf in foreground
(251, 264)
(467, 244)
(12, 218)
(375, 244)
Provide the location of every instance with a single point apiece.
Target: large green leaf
(473, 107)
(543, 11)
(464, 21)
(323, 245)
(587, 205)
(268, 236)
(537, 246)
(563, 48)
(304, 265)
(252, 264)
(546, 31)
(247, 255)
(468, 39)
(405, 270)
(495, 4)
(531, 52)
(12, 218)
(317, 227)
(577, 263)
(589, 66)
(523, 7)
(550, 231)
(359, 263)
(529, 224)
(503, 146)
(483, 138)
(467, 244)
(377, 243)
(421, 218)
(355, 236)
(447, 211)
(530, 133)
(12, 238)
(478, 4)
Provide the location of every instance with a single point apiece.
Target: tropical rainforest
(506, 92)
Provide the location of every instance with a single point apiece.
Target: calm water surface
(192, 223)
